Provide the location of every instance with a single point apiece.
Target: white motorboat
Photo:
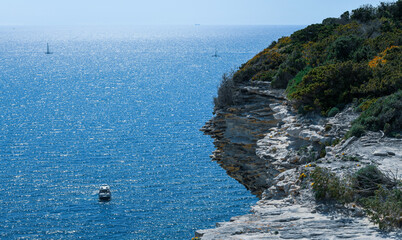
(104, 193)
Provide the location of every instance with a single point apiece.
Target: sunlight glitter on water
(116, 106)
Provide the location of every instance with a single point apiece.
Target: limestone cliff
(265, 145)
(237, 129)
(273, 146)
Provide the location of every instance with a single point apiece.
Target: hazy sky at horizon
(173, 12)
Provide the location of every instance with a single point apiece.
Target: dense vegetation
(354, 58)
(383, 114)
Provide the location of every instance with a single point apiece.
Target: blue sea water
(121, 106)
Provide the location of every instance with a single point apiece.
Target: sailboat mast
(216, 53)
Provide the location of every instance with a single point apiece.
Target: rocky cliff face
(260, 136)
(264, 145)
(236, 131)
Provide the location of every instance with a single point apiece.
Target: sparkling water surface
(121, 106)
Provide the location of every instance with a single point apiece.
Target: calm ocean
(121, 106)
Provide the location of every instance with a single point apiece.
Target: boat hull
(104, 193)
(105, 198)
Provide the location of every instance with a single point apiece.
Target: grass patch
(292, 85)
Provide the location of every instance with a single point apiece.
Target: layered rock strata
(236, 131)
(264, 145)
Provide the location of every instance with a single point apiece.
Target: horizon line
(141, 25)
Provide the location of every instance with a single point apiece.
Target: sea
(120, 106)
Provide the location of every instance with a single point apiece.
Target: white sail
(47, 49)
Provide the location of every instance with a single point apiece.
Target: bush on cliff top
(379, 194)
(387, 73)
(288, 70)
(323, 67)
(331, 85)
(365, 42)
(385, 114)
(344, 47)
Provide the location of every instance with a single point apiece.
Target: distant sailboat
(48, 50)
(216, 54)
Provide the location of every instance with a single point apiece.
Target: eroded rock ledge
(264, 145)
(236, 131)
(285, 219)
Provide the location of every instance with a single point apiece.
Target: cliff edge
(271, 166)
(312, 126)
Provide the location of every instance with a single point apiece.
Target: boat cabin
(104, 193)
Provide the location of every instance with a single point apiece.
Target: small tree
(345, 16)
(343, 48)
(364, 14)
(225, 96)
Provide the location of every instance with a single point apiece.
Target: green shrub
(282, 78)
(331, 21)
(387, 74)
(357, 55)
(323, 152)
(391, 10)
(364, 14)
(385, 208)
(328, 127)
(225, 96)
(378, 194)
(273, 43)
(345, 17)
(288, 69)
(268, 60)
(366, 104)
(333, 112)
(385, 40)
(315, 53)
(327, 186)
(313, 33)
(356, 130)
(343, 48)
(368, 179)
(264, 76)
(293, 83)
(245, 73)
(328, 86)
(363, 53)
(350, 158)
(385, 114)
(342, 20)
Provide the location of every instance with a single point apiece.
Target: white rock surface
(268, 148)
(283, 219)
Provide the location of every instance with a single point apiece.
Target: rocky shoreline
(266, 146)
